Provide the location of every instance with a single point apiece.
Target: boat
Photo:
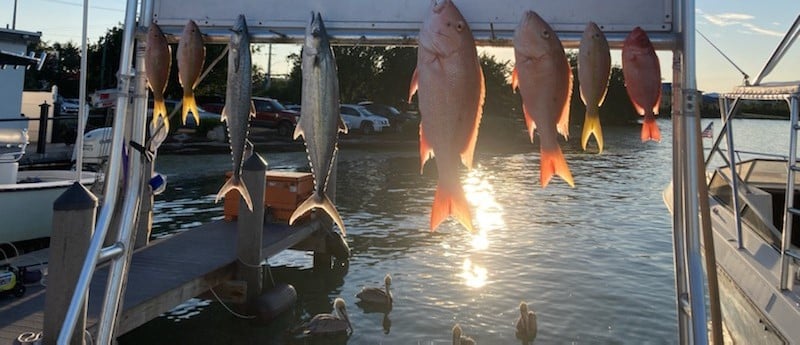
(27, 196)
(754, 219)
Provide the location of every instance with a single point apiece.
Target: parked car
(295, 107)
(397, 119)
(269, 114)
(358, 117)
(69, 105)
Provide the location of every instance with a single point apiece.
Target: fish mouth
(438, 5)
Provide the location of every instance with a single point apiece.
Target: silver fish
(320, 122)
(238, 106)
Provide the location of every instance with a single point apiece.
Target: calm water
(594, 261)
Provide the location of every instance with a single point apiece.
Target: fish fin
(342, 126)
(224, 117)
(650, 129)
(234, 183)
(468, 152)
(160, 112)
(639, 109)
(412, 89)
(446, 203)
(189, 104)
(252, 109)
(554, 163)
(325, 204)
(658, 103)
(591, 126)
(298, 132)
(529, 122)
(425, 150)
(514, 79)
(563, 119)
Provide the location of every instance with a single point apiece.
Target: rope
(247, 317)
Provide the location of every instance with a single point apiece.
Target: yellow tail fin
(553, 163)
(237, 184)
(446, 203)
(650, 129)
(591, 126)
(160, 111)
(189, 104)
(322, 202)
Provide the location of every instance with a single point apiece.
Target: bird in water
(336, 323)
(526, 324)
(459, 339)
(377, 295)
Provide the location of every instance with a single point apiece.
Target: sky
(747, 31)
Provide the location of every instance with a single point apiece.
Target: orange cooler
(285, 191)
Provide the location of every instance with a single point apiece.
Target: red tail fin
(446, 203)
(553, 163)
(650, 129)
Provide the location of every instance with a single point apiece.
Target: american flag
(708, 132)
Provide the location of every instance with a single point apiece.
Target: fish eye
(460, 26)
(546, 34)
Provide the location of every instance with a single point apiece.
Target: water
(594, 261)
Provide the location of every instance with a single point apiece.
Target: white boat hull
(26, 209)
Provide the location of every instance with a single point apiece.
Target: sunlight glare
(474, 275)
(488, 213)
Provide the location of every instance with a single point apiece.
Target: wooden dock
(162, 275)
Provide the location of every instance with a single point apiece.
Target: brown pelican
(526, 324)
(376, 295)
(459, 339)
(331, 324)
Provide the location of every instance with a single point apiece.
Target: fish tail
(650, 129)
(235, 183)
(160, 111)
(189, 104)
(322, 202)
(591, 126)
(448, 202)
(554, 163)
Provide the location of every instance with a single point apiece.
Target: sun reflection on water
(474, 275)
(488, 213)
(487, 217)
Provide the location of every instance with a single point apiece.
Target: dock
(162, 275)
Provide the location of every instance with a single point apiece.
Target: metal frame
(688, 175)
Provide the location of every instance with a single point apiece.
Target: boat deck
(162, 275)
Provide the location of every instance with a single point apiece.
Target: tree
(356, 65)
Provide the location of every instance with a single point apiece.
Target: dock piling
(73, 223)
(249, 227)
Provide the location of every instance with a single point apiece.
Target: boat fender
(158, 183)
(275, 301)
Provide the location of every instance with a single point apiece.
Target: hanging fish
(157, 62)
(320, 122)
(451, 94)
(544, 78)
(642, 73)
(238, 106)
(191, 56)
(594, 70)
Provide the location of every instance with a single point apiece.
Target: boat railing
(790, 93)
(673, 30)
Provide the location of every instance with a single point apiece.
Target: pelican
(459, 339)
(376, 295)
(331, 324)
(526, 324)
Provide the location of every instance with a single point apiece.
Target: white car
(358, 117)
